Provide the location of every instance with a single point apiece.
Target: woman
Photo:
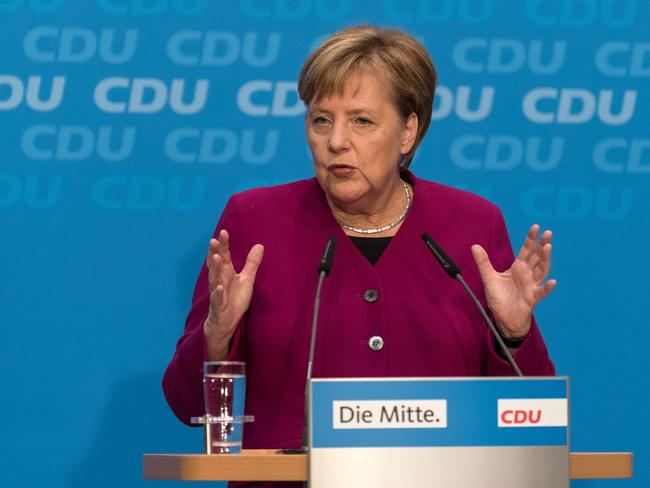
(386, 309)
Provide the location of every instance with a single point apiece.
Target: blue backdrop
(126, 124)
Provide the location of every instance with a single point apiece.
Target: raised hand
(513, 294)
(230, 293)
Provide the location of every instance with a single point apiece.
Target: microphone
(324, 268)
(453, 271)
(326, 260)
(439, 253)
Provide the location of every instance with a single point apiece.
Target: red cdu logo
(532, 412)
(521, 416)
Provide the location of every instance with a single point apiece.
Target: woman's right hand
(230, 293)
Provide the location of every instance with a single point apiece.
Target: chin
(344, 192)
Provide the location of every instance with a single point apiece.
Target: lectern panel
(488, 432)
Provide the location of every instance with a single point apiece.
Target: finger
(535, 258)
(530, 244)
(212, 249)
(253, 261)
(483, 263)
(209, 264)
(538, 255)
(227, 272)
(541, 254)
(222, 298)
(547, 235)
(215, 271)
(543, 291)
(218, 300)
(544, 265)
(224, 246)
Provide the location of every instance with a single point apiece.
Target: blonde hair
(395, 57)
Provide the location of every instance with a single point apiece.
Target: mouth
(340, 166)
(341, 170)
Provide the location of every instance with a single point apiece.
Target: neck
(386, 212)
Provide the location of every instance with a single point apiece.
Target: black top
(371, 247)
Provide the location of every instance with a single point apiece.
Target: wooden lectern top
(268, 465)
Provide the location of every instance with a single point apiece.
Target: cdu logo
(578, 106)
(219, 146)
(77, 142)
(217, 48)
(505, 152)
(505, 56)
(79, 45)
(570, 202)
(532, 412)
(150, 95)
(146, 193)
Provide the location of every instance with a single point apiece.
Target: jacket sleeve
(532, 356)
(183, 380)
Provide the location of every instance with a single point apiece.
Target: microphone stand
(452, 269)
(324, 268)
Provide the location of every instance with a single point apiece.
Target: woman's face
(357, 139)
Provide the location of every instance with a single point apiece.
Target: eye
(362, 121)
(320, 120)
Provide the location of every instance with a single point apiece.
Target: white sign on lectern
(439, 433)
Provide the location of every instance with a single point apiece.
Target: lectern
(431, 433)
(439, 432)
(268, 465)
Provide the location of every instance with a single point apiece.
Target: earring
(402, 162)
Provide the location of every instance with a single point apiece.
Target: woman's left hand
(513, 294)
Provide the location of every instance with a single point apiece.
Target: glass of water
(224, 392)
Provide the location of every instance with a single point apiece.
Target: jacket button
(371, 295)
(376, 343)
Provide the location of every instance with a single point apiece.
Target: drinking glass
(224, 392)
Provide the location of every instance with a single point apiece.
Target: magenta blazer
(428, 324)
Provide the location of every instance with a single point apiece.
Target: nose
(338, 138)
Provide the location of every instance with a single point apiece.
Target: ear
(409, 133)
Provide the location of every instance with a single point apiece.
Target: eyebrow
(355, 111)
